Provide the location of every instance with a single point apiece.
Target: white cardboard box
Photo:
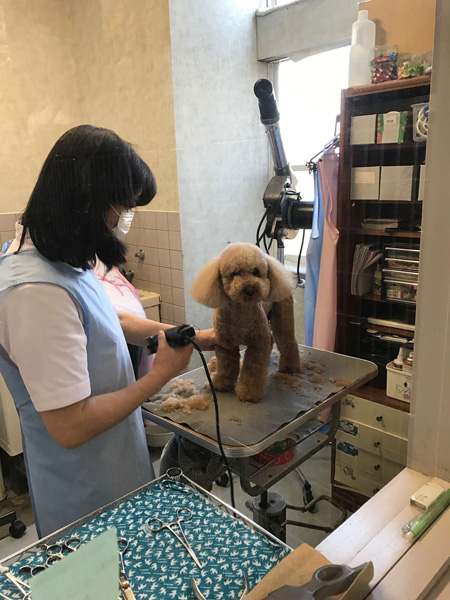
(363, 129)
(365, 183)
(396, 183)
(398, 383)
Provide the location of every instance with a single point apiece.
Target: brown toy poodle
(252, 296)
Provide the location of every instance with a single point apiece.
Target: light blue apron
(313, 257)
(67, 484)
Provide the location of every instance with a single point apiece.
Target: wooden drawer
(373, 440)
(365, 462)
(375, 415)
(360, 482)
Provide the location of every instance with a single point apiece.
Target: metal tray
(338, 366)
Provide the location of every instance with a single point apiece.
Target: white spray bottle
(361, 50)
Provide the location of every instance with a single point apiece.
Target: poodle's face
(244, 274)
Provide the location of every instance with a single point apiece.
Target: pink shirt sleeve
(41, 329)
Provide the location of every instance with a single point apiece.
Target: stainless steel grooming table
(308, 433)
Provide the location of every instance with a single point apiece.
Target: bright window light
(309, 99)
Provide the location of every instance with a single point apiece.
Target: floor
(316, 469)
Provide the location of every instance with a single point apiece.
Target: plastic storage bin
(402, 291)
(397, 275)
(398, 383)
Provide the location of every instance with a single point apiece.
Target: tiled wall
(7, 226)
(157, 234)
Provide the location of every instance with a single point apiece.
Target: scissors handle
(125, 587)
(151, 527)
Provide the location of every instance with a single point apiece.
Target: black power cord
(299, 279)
(216, 407)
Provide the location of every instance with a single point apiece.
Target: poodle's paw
(289, 364)
(249, 393)
(222, 384)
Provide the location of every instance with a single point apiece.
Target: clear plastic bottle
(361, 50)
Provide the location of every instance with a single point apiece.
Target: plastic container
(403, 264)
(395, 275)
(401, 291)
(361, 50)
(402, 253)
(384, 64)
(398, 383)
(420, 121)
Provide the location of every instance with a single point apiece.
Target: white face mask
(124, 224)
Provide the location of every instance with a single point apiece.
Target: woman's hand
(170, 361)
(207, 339)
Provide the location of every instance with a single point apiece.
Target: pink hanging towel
(326, 304)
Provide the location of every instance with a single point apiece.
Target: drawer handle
(348, 402)
(380, 418)
(377, 467)
(376, 490)
(377, 444)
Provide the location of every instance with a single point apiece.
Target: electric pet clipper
(176, 337)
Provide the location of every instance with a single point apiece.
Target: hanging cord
(216, 407)
(300, 281)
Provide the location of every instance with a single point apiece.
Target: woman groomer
(63, 351)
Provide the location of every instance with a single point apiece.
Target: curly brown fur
(252, 296)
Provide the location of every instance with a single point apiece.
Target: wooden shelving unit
(353, 311)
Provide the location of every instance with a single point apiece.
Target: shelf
(377, 147)
(404, 234)
(412, 202)
(388, 86)
(373, 298)
(379, 396)
(402, 332)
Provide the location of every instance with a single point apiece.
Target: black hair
(87, 171)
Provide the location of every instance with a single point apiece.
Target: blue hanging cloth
(313, 256)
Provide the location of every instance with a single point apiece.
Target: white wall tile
(154, 274)
(166, 311)
(138, 221)
(173, 220)
(166, 294)
(179, 314)
(175, 240)
(150, 238)
(176, 260)
(163, 239)
(161, 221)
(152, 256)
(165, 276)
(155, 287)
(164, 258)
(150, 219)
(177, 278)
(178, 296)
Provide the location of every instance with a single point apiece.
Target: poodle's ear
(280, 281)
(207, 289)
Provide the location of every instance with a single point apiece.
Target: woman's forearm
(137, 329)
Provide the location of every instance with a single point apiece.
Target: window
(309, 98)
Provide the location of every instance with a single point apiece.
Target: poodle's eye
(256, 272)
(235, 274)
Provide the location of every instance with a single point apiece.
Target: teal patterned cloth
(158, 566)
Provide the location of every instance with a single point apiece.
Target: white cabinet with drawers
(370, 445)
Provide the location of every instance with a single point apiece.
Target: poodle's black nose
(249, 291)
